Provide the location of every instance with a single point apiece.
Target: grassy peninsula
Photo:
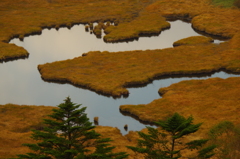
(134, 68)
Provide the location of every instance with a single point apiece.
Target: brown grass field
(209, 101)
(15, 125)
(21, 18)
(193, 40)
(137, 27)
(17, 121)
(135, 17)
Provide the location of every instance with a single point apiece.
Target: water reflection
(22, 84)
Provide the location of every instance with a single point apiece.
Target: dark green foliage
(178, 126)
(69, 135)
(195, 144)
(147, 145)
(206, 152)
(161, 143)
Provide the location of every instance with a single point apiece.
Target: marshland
(42, 43)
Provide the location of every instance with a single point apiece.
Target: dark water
(21, 82)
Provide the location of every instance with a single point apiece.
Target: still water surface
(22, 84)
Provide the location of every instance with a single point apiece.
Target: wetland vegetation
(209, 101)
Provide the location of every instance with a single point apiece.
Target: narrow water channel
(22, 84)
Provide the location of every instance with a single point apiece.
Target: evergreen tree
(68, 134)
(162, 144)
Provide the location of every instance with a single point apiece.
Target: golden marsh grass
(141, 67)
(20, 18)
(193, 40)
(99, 71)
(17, 121)
(209, 101)
(146, 24)
(24, 17)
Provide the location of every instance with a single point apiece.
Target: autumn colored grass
(17, 121)
(226, 25)
(99, 71)
(11, 52)
(24, 17)
(30, 117)
(145, 24)
(118, 139)
(209, 101)
(193, 40)
(20, 18)
(141, 67)
(15, 125)
(203, 15)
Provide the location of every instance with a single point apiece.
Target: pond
(22, 84)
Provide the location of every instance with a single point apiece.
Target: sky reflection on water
(22, 83)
